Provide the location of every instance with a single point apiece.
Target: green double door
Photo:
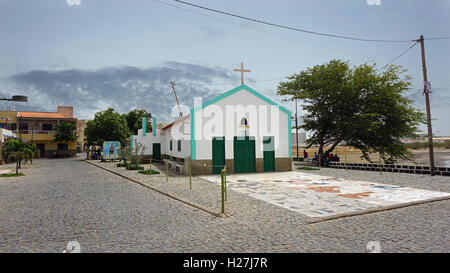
(269, 154)
(244, 154)
(218, 154)
(156, 151)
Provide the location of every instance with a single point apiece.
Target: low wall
(393, 168)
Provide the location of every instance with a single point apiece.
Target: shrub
(149, 172)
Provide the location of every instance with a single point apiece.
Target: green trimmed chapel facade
(240, 129)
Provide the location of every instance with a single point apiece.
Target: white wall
(148, 140)
(208, 124)
(180, 130)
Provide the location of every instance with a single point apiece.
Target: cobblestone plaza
(59, 201)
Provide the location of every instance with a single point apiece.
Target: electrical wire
(403, 53)
(256, 29)
(292, 28)
(438, 38)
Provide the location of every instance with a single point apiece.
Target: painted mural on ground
(316, 195)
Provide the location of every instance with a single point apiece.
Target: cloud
(211, 33)
(123, 88)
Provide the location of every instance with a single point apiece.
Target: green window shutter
(179, 145)
(171, 145)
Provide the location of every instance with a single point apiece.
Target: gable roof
(237, 89)
(173, 123)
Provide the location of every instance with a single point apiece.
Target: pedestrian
(305, 154)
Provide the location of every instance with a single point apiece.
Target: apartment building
(39, 128)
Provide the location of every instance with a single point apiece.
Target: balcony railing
(37, 132)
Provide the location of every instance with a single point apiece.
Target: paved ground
(6, 168)
(317, 195)
(64, 200)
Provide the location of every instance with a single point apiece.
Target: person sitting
(305, 154)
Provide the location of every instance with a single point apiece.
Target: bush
(149, 172)
(134, 168)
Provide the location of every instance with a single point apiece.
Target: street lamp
(17, 98)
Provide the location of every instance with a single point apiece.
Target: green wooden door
(244, 154)
(269, 154)
(218, 154)
(156, 151)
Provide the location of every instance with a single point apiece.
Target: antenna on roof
(175, 92)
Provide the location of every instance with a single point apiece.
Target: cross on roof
(242, 70)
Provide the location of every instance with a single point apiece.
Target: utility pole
(296, 128)
(426, 92)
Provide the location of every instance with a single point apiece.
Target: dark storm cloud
(122, 88)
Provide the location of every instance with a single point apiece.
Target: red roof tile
(43, 115)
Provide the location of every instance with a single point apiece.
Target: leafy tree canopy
(107, 125)
(362, 106)
(134, 120)
(65, 132)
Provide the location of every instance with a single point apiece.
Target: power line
(292, 28)
(438, 38)
(278, 35)
(255, 29)
(403, 53)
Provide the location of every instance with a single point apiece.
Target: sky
(95, 54)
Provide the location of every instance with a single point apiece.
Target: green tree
(65, 132)
(16, 150)
(360, 105)
(107, 125)
(134, 120)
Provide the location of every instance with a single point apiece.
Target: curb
(161, 192)
(374, 210)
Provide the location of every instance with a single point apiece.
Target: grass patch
(305, 168)
(148, 171)
(133, 168)
(11, 174)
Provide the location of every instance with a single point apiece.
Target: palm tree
(31, 151)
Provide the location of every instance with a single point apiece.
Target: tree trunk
(332, 148)
(17, 166)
